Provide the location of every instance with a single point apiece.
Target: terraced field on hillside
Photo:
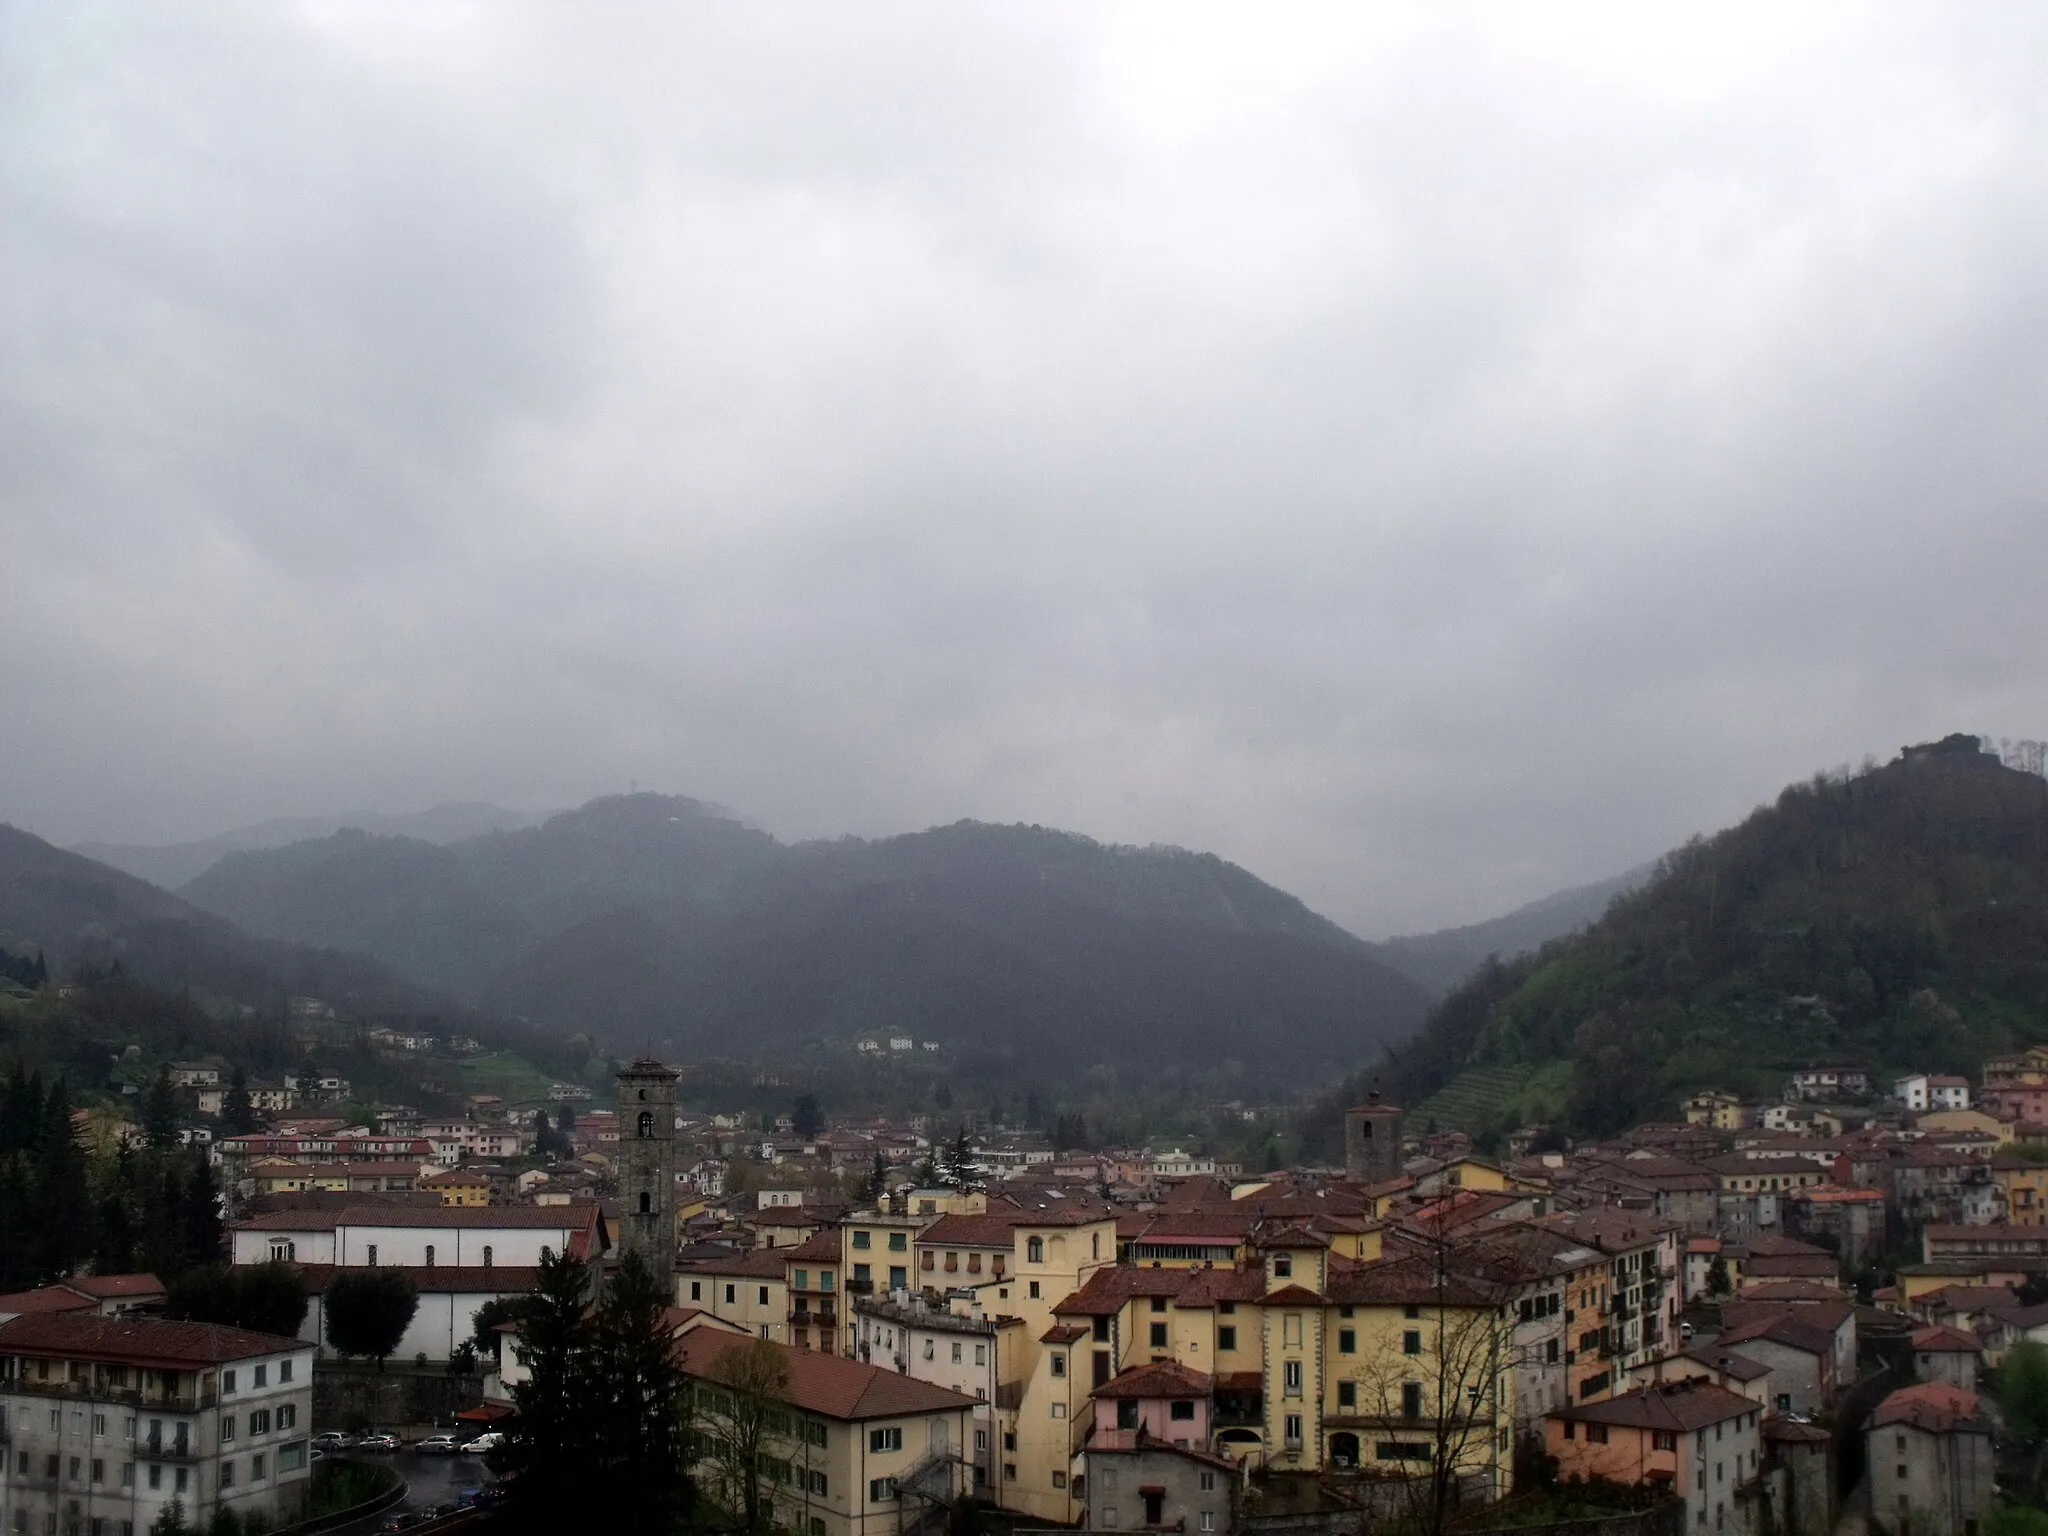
(1480, 1099)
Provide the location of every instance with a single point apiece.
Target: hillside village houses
(1133, 1338)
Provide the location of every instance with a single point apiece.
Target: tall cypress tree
(64, 1198)
(20, 1262)
(203, 1238)
(236, 1117)
(115, 1254)
(160, 1112)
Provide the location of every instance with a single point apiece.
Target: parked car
(378, 1443)
(404, 1522)
(489, 1440)
(436, 1445)
(490, 1496)
(332, 1440)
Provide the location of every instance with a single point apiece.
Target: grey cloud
(1428, 461)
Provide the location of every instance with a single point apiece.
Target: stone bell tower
(647, 1165)
(1372, 1141)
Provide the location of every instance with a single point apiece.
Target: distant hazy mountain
(77, 911)
(172, 864)
(648, 918)
(1442, 960)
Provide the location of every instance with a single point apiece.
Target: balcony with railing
(181, 1397)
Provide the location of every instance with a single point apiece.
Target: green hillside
(1896, 918)
(1484, 1099)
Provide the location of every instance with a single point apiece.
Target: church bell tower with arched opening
(647, 1165)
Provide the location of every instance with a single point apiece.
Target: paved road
(437, 1479)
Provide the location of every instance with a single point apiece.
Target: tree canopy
(368, 1311)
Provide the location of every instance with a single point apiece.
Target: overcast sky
(1430, 456)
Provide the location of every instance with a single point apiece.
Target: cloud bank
(1429, 455)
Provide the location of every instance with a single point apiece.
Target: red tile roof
(824, 1384)
(819, 1248)
(996, 1229)
(1791, 1290)
(1787, 1328)
(45, 1298)
(754, 1264)
(109, 1287)
(144, 1341)
(1934, 1406)
(1938, 1340)
(1163, 1379)
(1681, 1405)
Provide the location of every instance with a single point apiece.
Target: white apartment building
(1923, 1092)
(109, 1419)
(420, 1237)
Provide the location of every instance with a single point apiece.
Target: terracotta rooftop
(819, 1248)
(1609, 1229)
(1791, 1290)
(1413, 1281)
(110, 1287)
(1681, 1405)
(1730, 1364)
(994, 1229)
(1788, 1328)
(1934, 1406)
(1165, 1379)
(1938, 1340)
(753, 1264)
(824, 1384)
(144, 1341)
(45, 1298)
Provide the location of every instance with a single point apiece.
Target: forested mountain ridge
(650, 919)
(1895, 918)
(75, 913)
(170, 865)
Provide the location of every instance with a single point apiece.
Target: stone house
(1137, 1483)
(1691, 1438)
(1947, 1354)
(1799, 1352)
(1930, 1459)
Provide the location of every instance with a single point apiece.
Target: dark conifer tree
(551, 1465)
(236, 1117)
(115, 1254)
(639, 1404)
(160, 1111)
(19, 1261)
(64, 1202)
(204, 1240)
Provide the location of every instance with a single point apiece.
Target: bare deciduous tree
(1437, 1382)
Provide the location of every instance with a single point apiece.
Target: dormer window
(1283, 1265)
